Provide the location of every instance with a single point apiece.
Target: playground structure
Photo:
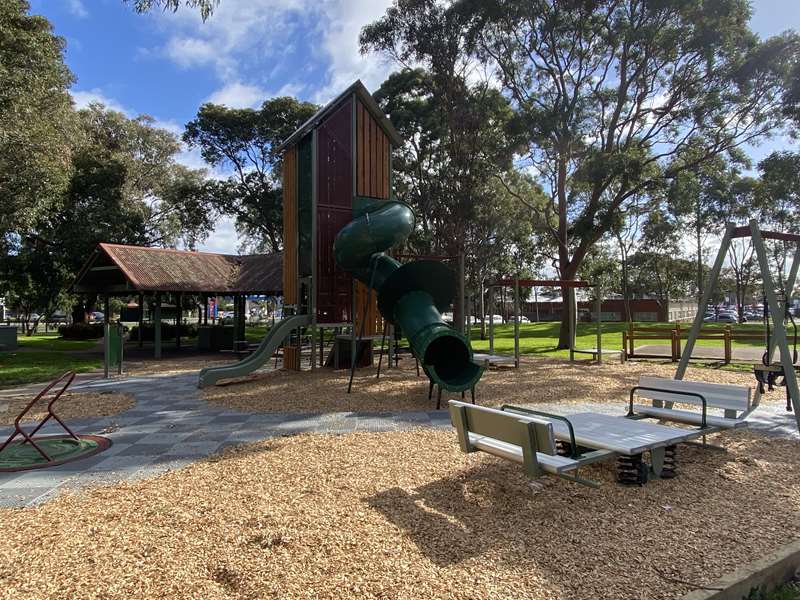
(775, 310)
(339, 219)
(34, 452)
(572, 309)
(550, 444)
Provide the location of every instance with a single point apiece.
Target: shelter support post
(178, 318)
(777, 314)
(141, 320)
(106, 335)
(157, 328)
(701, 308)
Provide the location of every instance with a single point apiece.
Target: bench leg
(439, 398)
(662, 462)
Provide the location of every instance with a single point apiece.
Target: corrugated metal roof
(366, 98)
(170, 270)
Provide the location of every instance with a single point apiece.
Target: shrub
(81, 331)
(167, 331)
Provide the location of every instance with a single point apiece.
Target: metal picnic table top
(619, 434)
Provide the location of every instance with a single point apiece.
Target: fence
(675, 335)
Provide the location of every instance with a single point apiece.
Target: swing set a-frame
(777, 310)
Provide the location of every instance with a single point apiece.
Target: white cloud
(84, 98)
(341, 26)
(77, 8)
(238, 95)
(247, 42)
(223, 239)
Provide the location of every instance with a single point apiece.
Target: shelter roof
(114, 268)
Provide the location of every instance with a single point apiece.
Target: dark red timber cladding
(334, 211)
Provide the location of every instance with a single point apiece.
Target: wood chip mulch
(536, 381)
(403, 515)
(72, 405)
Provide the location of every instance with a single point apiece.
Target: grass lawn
(45, 356)
(30, 367)
(55, 343)
(541, 338)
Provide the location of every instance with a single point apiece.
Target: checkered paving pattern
(171, 426)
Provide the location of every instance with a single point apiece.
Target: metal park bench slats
(527, 440)
(735, 401)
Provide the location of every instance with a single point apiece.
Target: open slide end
(448, 358)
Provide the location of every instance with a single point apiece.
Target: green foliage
(245, 140)
(35, 117)
(33, 280)
(168, 331)
(206, 7)
(81, 331)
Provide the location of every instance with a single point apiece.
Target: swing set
(776, 301)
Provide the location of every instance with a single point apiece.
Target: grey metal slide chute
(271, 342)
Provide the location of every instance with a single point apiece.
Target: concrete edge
(764, 574)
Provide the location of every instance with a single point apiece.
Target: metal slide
(412, 296)
(274, 338)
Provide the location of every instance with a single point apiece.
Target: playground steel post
(598, 304)
(571, 321)
(491, 320)
(516, 322)
(779, 330)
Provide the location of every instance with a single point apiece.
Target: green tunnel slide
(410, 296)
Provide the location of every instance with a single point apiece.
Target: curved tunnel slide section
(411, 296)
(266, 349)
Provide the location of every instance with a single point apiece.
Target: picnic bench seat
(527, 440)
(735, 401)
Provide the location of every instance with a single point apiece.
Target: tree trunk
(82, 309)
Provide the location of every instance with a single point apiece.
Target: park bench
(526, 439)
(736, 402)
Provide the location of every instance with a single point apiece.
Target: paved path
(171, 426)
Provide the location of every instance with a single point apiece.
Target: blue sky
(166, 65)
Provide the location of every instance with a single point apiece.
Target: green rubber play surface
(61, 449)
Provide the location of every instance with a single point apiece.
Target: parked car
(98, 316)
(496, 319)
(722, 318)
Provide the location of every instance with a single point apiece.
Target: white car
(496, 319)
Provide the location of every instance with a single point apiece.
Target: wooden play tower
(336, 162)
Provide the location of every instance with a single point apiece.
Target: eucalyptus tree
(205, 7)
(611, 92)
(35, 117)
(243, 142)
